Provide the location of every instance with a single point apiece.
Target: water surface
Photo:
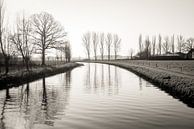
(95, 96)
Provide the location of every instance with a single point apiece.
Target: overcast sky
(127, 18)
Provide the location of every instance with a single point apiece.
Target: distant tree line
(34, 34)
(158, 45)
(102, 43)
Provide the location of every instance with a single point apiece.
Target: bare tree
(65, 48)
(147, 48)
(48, 33)
(140, 45)
(165, 45)
(131, 51)
(153, 45)
(160, 44)
(102, 45)
(109, 40)
(22, 40)
(188, 45)
(67, 51)
(95, 42)
(116, 44)
(86, 39)
(180, 43)
(172, 44)
(4, 39)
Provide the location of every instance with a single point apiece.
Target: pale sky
(127, 18)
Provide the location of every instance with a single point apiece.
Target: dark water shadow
(38, 103)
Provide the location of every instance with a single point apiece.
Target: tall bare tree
(116, 44)
(48, 33)
(172, 44)
(160, 44)
(95, 42)
(180, 43)
(67, 52)
(22, 40)
(4, 38)
(65, 48)
(140, 45)
(102, 45)
(86, 39)
(165, 45)
(154, 45)
(147, 48)
(109, 40)
(131, 51)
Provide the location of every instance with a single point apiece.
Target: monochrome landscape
(106, 64)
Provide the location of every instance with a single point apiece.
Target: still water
(95, 96)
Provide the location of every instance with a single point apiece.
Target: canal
(94, 96)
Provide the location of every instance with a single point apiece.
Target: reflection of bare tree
(148, 84)
(7, 97)
(27, 93)
(109, 81)
(102, 75)
(44, 104)
(44, 94)
(68, 78)
(116, 81)
(105, 80)
(37, 105)
(7, 94)
(87, 80)
(140, 84)
(95, 80)
(109, 76)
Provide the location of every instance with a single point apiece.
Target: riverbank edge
(19, 78)
(178, 86)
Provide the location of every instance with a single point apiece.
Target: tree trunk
(6, 60)
(27, 64)
(95, 57)
(43, 57)
(115, 55)
(109, 54)
(88, 56)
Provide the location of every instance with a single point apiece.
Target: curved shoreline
(19, 78)
(178, 86)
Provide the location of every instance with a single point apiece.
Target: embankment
(21, 77)
(177, 85)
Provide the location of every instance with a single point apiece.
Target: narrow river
(94, 96)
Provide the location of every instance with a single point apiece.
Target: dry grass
(179, 66)
(23, 76)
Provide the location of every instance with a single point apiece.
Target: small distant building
(190, 54)
(170, 56)
(181, 55)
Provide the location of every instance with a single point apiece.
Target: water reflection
(95, 83)
(94, 96)
(33, 104)
(105, 79)
(140, 84)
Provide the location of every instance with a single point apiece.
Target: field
(179, 66)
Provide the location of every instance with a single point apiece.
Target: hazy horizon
(127, 18)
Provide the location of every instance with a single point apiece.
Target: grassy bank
(21, 77)
(178, 85)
